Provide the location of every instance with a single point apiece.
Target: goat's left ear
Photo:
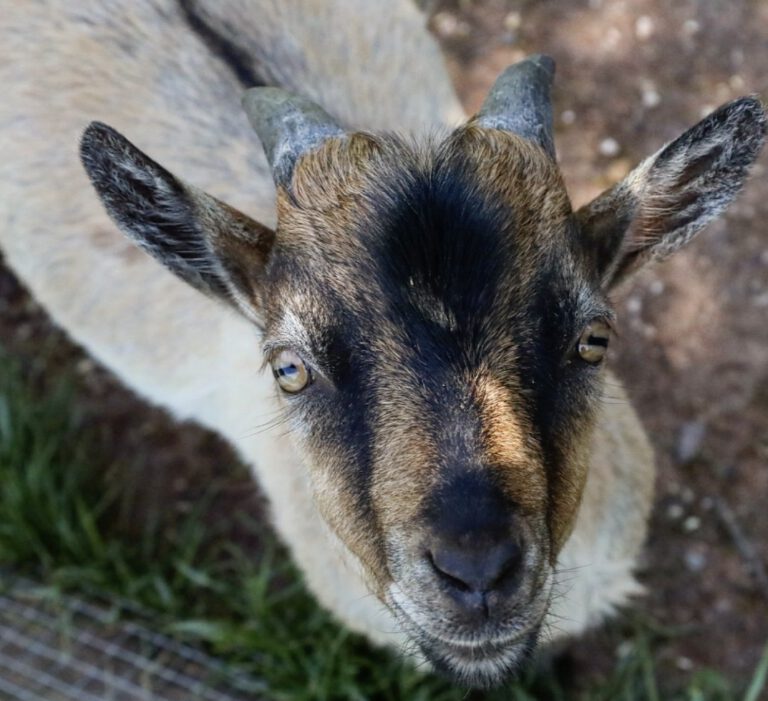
(204, 241)
(669, 197)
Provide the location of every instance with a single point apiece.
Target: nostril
(477, 569)
(447, 576)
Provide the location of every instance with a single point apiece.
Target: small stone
(675, 512)
(644, 27)
(445, 23)
(691, 27)
(690, 439)
(634, 305)
(85, 366)
(707, 503)
(568, 117)
(691, 524)
(612, 38)
(684, 664)
(687, 495)
(609, 147)
(512, 21)
(650, 97)
(695, 561)
(737, 82)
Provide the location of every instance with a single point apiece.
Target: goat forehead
(445, 237)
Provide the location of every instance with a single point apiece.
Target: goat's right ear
(204, 241)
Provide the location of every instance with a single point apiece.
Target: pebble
(447, 24)
(609, 147)
(690, 439)
(644, 27)
(656, 287)
(512, 21)
(85, 366)
(737, 82)
(634, 305)
(691, 27)
(675, 512)
(691, 524)
(695, 561)
(650, 98)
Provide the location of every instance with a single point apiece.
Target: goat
(434, 314)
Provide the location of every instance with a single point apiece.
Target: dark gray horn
(519, 101)
(288, 126)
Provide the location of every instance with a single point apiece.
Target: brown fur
(351, 532)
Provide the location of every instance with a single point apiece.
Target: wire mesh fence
(63, 648)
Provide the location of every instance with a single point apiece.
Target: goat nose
(471, 572)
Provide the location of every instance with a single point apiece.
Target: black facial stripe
(347, 409)
(441, 253)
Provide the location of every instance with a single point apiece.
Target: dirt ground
(693, 343)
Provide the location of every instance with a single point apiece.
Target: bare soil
(693, 336)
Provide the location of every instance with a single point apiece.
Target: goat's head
(436, 317)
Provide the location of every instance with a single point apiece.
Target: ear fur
(672, 195)
(204, 241)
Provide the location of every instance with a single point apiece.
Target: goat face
(436, 316)
(437, 310)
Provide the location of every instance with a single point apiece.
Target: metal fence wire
(63, 648)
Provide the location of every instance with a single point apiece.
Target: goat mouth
(480, 665)
(476, 661)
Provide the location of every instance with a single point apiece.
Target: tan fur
(187, 353)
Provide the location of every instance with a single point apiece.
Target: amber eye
(593, 342)
(290, 371)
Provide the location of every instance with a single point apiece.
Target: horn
(287, 126)
(519, 102)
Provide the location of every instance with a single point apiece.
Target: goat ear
(669, 197)
(204, 241)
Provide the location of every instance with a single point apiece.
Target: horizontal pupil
(597, 341)
(285, 371)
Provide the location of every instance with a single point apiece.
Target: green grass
(59, 522)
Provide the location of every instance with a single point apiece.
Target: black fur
(238, 60)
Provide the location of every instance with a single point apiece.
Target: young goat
(435, 316)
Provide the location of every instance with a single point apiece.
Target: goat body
(442, 307)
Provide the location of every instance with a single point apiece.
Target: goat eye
(290, 371)
(593, 342)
